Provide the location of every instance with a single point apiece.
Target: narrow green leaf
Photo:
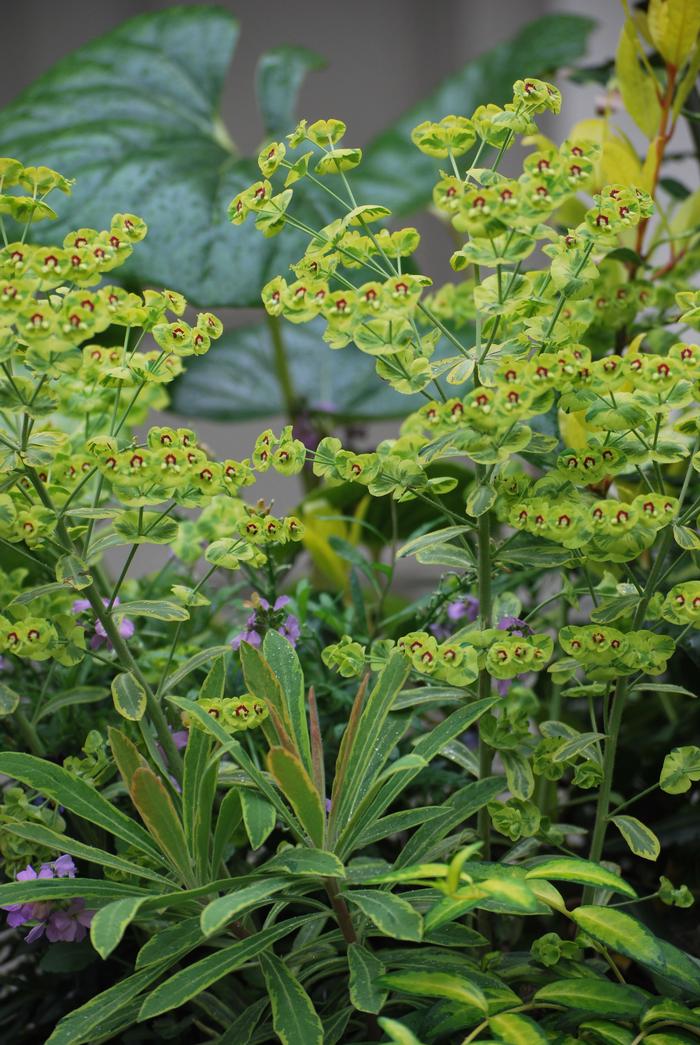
(198, 793)
(129, 696)
(509, 896)
(392, 915)
(259, 817)
(622, 933)
(29, 594)
(370, 726)
(515, 1029)
(195, 978)
(156, 609)
(284, 662)
(230, 814)
(71, 698)
(241, 758)
(126, 755)
(463, 804)
(77, 1028)
(585, 872)
(672, 1011)
(56, 783)
(398, 1033)
(595, 996)
(40, 889)
(640, 838)
(224, 909)
(296, 860)
(294, 1018)
(214, 684)
(60, 843)
(240, 1032)
(110, 923)
(437, 985)
(198, 660)
(155, 806)
(429, 540)
(680, 969)
(607, 1032)
(296, 784)
(365, 972)
(171, 943)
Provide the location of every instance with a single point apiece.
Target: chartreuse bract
(297, 878)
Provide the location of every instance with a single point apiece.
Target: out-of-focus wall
(383, 56)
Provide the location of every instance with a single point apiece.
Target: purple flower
(180, 738)
(125, 627)
(29, 874)
(440, 631)
(464, 609)
(266, 617)
(290, 630)
(515, 626)
(250, 636)
(70, 925)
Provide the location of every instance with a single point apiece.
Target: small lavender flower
(440, 631)
(265, 618)
(290, 630)
(68, 924)
(125, 627)
(464, 609)
(515, 626)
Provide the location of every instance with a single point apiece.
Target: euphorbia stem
(29, 733)
(342, 913)
(112, 631)
(155, 711)
(485, 612)
(616, 713)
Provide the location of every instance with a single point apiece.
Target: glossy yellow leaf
(674, 27)
(574, 430)
(637, 88)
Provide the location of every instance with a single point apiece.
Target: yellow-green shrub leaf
(640, 838)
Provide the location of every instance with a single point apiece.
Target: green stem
(28, 731)
(485, 620)
(126, 660)
(615, 720)
(123, 652)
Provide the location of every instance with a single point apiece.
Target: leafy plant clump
(327, 813)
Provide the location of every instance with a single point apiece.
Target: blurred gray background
(383, 56)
